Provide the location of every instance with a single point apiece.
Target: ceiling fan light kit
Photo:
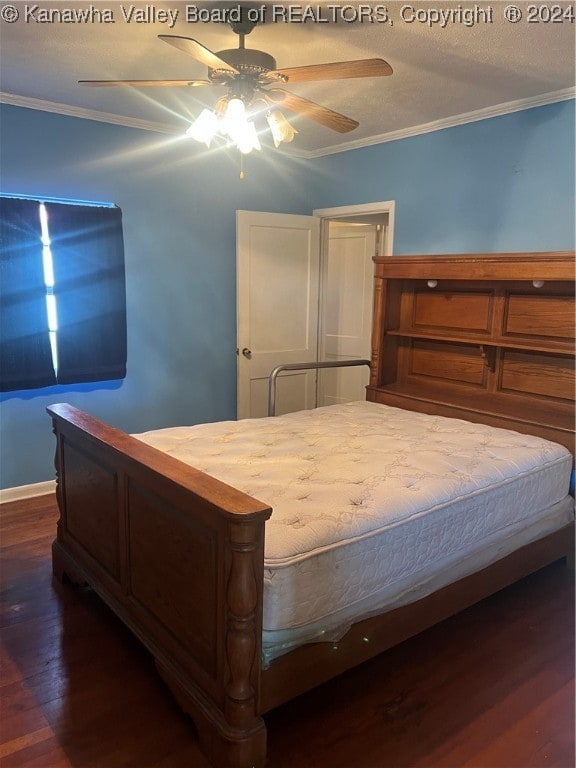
(280, 128)
(253, 93)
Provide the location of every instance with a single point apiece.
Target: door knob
(247, 353)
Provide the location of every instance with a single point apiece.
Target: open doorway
(304, 293)
(350, 238)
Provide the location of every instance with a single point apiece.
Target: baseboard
(27, 491)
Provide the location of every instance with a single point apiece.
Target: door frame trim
(364, 209)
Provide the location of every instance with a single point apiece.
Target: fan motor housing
(246, 60)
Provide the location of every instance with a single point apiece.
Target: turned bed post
(243, 631)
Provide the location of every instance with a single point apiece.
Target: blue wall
(501, 184)
(179, 211)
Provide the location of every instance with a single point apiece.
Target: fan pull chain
(242, 174)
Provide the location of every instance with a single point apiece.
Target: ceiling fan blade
(198, 51)
(307, 108)
(105, 83)
(336, 70)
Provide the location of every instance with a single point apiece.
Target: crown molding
(85, 114)
(437, 125)
(497, 110)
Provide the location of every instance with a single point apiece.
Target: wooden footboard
(179, 557)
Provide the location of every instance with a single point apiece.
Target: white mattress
(375, 506)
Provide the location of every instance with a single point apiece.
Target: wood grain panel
(550, 316)
(484, 330)
(92, 510)
(461, 363)
(453, 310)
(539, 374)
(173, 573)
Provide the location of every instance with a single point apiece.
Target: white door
(278, 258)
(346, 315)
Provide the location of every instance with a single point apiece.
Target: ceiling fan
(250, 76)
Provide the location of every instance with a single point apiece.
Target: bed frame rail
(310, 366)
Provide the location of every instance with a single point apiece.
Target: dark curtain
(88, 256)
(25, 356)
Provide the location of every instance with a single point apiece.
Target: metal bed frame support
(303, 367)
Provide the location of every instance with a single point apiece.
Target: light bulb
(220, 107)
(229, 119)
(204, 128)
(234, 117)
(247, 138)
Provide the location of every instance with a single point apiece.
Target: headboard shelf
(562, 347)
(483, 337)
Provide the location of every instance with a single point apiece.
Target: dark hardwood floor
(490, 688)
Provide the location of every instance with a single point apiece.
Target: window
(62, 294)
(48, 268)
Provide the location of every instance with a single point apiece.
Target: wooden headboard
(482, 337)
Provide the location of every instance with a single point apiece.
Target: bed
(456, 473)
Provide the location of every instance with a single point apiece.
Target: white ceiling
(442, 76)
